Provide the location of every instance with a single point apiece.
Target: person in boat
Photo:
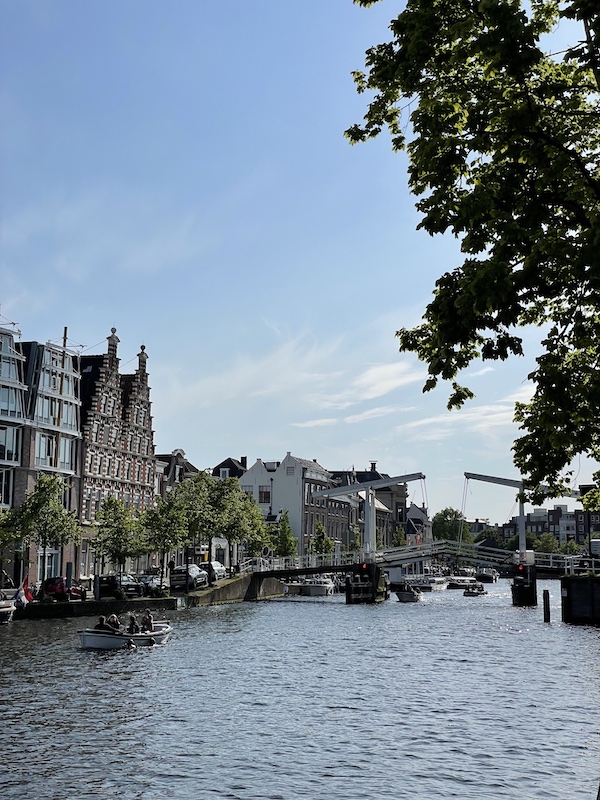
(102, 625)
(113, 622)
(147, 621)
(131, 645)
(133, 626)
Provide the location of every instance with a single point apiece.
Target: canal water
(452, 697)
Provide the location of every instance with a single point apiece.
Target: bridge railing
(263, 564)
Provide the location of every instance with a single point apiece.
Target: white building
(288, 485)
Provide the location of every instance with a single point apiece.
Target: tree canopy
(503, 142)
(450, 525)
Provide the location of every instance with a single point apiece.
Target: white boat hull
(92, 639)
(7, 609)
(317, 589)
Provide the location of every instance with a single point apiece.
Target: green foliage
(119, 534)
(546, 543)
(531, 542)
(503, 142)
(356, 542)
(42, 517)
(450, 525)
(493, 536)
(569, 548)
(399, 537)
(285, 543)
(166, 527)
(321, 543)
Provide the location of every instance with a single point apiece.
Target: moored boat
(428, 583)
(7, 608)
(99, 639)
(317, 586)
(487, 575)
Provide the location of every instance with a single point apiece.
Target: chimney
(244, 461)
(373, 466)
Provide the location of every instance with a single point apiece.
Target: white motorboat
(317, 586)
(487, 575)
(408, 593)
(7, 608)
(428, 583)
(100, 639)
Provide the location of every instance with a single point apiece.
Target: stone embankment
(230, 590)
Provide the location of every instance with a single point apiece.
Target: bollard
(546, 601)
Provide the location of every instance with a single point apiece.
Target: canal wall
(232, 590)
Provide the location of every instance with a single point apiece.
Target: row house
(288, 485)
(118, 441)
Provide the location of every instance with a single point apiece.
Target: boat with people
(460, 581)
(7, 607)
(407, 592)
(105, 639)
(475, 590)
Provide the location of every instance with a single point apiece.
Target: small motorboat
(99, 639)
(407, 593)
(7, 607)
(317, 586)
(474, 590)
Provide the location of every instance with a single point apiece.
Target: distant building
(231, 468)
(288, 486)
(172, 469)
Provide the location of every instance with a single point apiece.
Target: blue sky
(178, 170)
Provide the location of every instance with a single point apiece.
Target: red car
(57, 588)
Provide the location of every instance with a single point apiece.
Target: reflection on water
(309, 698)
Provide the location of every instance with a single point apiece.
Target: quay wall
(233, 590)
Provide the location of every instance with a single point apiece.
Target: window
(9, 444)
(289, 470)
(264, 494)
(224, 472)
(249, 490)
(6, 476)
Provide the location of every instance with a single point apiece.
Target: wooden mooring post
(546, 601)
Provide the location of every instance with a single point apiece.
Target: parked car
(57, 588)
(220, 571)
(188, 577)
(111, 584)
(153, 583)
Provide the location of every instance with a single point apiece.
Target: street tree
(119, 534)
(321, 543)
(450, 525)
(43, 519)
(503, 143)
(285, 543)
(254, 534)
(166, 528)
(195, 497)
(546, 543)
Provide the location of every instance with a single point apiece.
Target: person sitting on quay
(133, 626)
(147, 621)
(113, 622)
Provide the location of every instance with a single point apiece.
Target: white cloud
(375, 413)
(373, 382)
(315, 423)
